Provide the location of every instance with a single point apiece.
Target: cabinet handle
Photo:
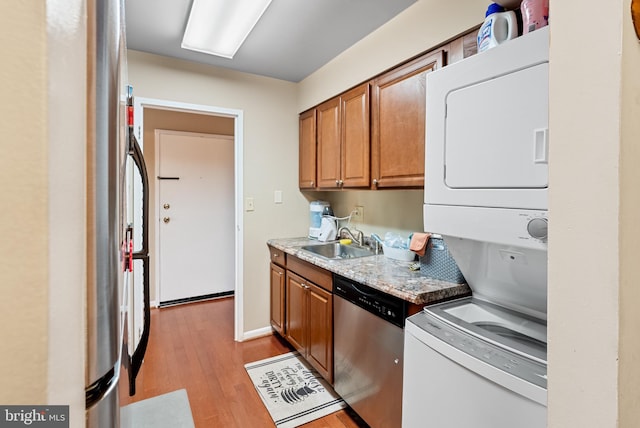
(275, 255)
(337, 183)
(312, 184)
(375, 182)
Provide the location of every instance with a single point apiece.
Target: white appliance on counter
(481, 361)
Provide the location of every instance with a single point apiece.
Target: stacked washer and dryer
(482, 361)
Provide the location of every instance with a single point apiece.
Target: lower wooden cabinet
(277, 298)
(302, 309)
(320, 331)
(309, 322)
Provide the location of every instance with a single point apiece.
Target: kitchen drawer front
(315, 274)
(278, 256)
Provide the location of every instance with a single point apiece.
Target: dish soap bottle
(535, 14)
(498, 27)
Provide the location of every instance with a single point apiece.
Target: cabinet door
(296, 310)
(328, 123)
(320, 345)
(307, 156)
(277, 298)
(398, 123)
(355, 149)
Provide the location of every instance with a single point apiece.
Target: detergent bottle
(499, 26)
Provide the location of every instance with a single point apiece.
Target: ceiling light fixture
(219, 27)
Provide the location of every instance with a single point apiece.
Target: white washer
(471, 364)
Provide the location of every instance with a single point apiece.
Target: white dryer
(481, 361)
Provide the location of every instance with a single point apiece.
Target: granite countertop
(379, 272)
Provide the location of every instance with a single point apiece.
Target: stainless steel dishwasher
(368, 351)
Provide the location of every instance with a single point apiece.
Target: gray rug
(293, 392)
(170, 410)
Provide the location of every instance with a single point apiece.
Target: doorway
(195, 188)
(143, 106)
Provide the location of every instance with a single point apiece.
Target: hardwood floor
(191, 346)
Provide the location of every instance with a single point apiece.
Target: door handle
(166, 219)
(541, 145)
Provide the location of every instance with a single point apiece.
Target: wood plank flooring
(191, 346)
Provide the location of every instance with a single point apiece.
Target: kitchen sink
(338, 251)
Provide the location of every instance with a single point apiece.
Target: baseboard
(197, 299)
(256, 334)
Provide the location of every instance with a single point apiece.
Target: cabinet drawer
(278, 256)
(313, 273)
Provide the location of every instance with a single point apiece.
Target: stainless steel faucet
(360, 236)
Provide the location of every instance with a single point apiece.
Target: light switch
(248, 204)
(277, 196)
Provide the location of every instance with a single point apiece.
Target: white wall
(270, 154)
(67, 57)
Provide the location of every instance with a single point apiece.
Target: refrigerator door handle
(135, 360)
(101, 387)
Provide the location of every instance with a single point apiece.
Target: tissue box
(437, 262)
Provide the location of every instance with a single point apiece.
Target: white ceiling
(293, 39)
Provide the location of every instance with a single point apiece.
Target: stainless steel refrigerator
(114, 162)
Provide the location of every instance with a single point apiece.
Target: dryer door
(487, 128)
(496, 132)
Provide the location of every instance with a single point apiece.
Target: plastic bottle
(535, 14)
(498, 27)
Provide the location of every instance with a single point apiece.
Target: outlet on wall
(358, 214)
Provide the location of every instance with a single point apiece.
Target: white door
(196, 215)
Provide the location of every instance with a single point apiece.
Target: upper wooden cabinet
(355, 137)
(343, 140)
(307, 162)
(373, 136)
(398, 113)
(328, 122)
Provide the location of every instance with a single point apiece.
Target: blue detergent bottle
(499, 26)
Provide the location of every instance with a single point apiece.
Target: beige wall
(594, 207)
(270, 154)
(398, 211)
(24, 193)
(629, 318)
(42, 258)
